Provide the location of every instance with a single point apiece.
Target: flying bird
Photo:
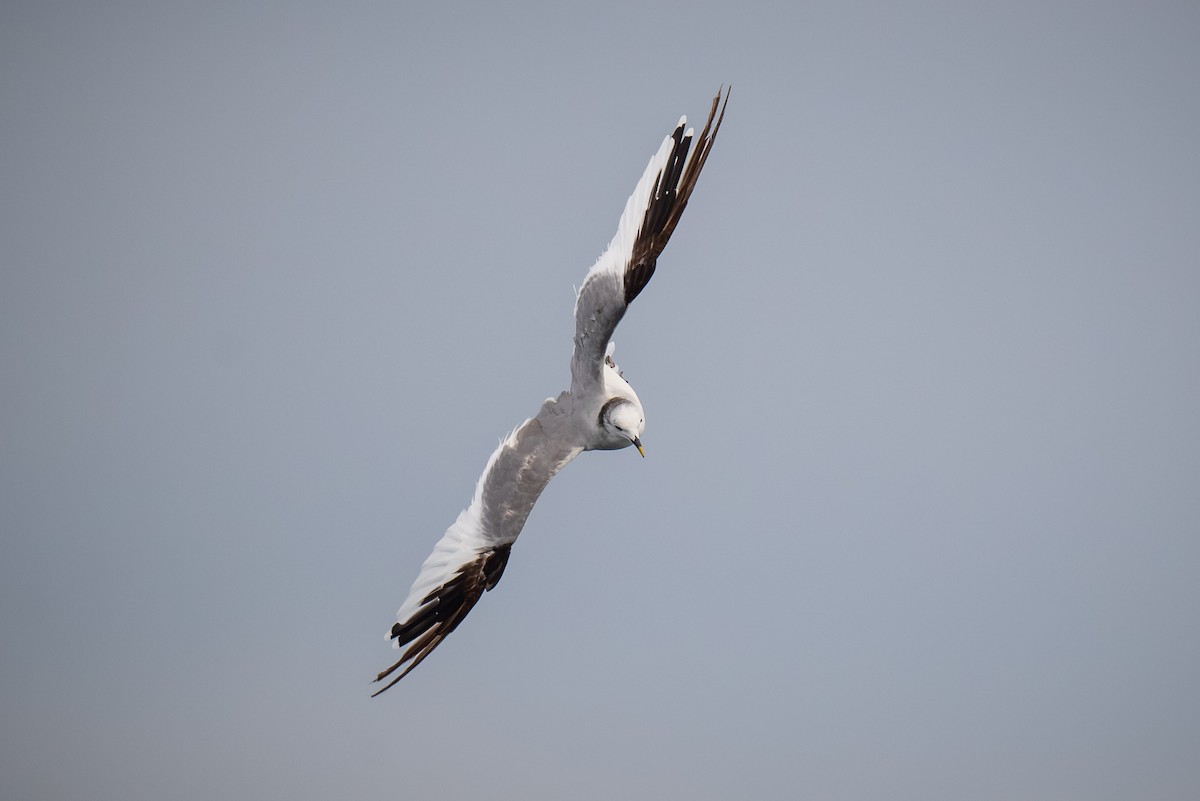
(599, 412)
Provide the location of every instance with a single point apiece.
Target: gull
(599, 412)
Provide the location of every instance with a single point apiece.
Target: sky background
(920, 517)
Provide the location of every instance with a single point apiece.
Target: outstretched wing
(470, 557)
(624, 269)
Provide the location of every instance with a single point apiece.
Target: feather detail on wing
(470, 557)
(626, 266)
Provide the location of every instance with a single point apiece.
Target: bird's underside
(600, 411)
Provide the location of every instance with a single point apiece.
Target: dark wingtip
(442, 610)
(636, 278)
(672, 191)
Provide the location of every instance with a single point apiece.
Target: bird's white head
(623, 423)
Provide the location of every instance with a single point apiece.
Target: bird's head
(623, 421)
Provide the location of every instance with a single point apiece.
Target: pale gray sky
(920, 517)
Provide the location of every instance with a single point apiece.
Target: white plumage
(599, 412)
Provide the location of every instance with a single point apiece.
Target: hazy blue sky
(920, 517)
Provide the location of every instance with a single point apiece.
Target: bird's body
(599, 412)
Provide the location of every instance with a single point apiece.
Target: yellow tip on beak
(637, 443)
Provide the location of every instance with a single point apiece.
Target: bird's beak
(637, 443)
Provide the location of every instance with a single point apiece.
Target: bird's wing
(624, 269)
(470, 557)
